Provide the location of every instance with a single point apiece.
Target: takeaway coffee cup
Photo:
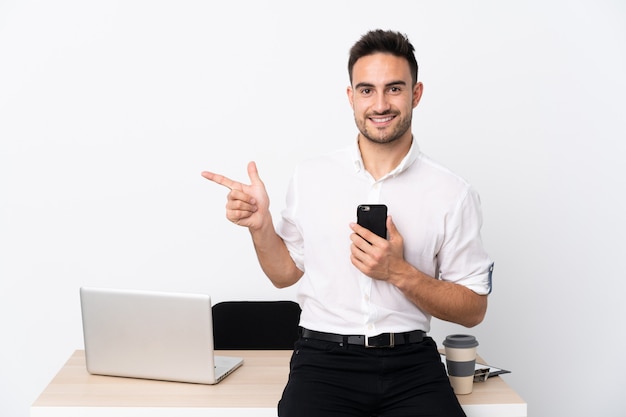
(461, 361)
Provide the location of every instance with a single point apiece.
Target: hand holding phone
(373, 217)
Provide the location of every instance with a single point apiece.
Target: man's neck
(381, 158)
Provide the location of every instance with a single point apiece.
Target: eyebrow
(390, 84)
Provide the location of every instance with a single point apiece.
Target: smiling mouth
(381, 119)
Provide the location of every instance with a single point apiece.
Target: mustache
(385, 113)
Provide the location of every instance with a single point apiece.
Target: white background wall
(109, 110)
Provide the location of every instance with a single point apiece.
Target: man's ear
(350, 93)
(417, 93)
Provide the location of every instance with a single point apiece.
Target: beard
(386, 134)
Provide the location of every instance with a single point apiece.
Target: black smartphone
(373, 217)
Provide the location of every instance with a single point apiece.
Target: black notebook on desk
(482, 371)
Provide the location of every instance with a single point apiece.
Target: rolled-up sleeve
(287, 227)
(462, 258)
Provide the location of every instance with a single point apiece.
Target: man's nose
(381, 104)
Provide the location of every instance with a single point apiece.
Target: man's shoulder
(439, 180)
(335, 159)
(438, 171)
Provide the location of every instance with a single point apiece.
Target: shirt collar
(406, 162)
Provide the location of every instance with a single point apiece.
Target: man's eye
(366, 91)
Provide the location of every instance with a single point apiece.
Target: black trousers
(329, 379)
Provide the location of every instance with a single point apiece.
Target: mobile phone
(373, 217)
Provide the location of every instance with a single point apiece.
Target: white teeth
(382, 120)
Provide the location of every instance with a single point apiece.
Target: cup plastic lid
(460, 341)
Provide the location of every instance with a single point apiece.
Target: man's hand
(379, 258)
(384, 260)
(247, 205)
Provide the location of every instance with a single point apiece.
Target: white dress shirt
(437, 213)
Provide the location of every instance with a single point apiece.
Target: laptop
(151, 335)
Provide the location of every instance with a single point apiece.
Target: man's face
(383, 97)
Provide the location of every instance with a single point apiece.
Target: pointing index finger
(222, 180)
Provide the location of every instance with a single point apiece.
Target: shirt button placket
(374, 192)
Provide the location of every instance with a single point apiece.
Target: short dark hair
(390, 42)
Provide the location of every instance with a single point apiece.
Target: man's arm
(274, 256)
(248, 206)
(442, 299)
(384, 260)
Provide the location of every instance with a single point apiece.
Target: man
(367, 301)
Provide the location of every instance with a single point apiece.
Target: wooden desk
(254, 389)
